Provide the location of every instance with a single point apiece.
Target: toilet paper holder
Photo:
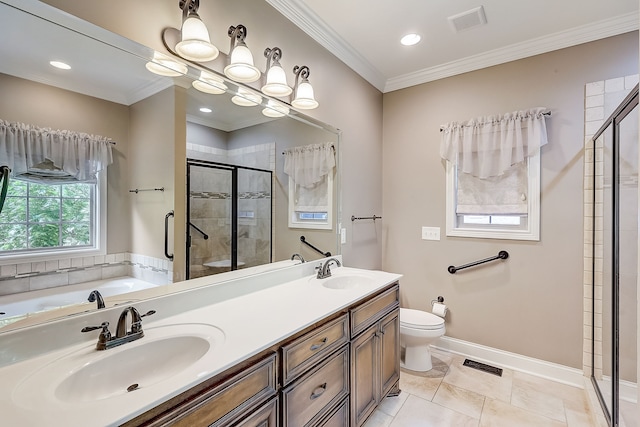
(440, 300)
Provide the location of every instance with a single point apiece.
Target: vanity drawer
(338, 417)
(306, 400)
(224, 404)
(301, 354)
(371, 311)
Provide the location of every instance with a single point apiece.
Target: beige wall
(158, 139)
(346, 100)
(530, 304)
(45, 106)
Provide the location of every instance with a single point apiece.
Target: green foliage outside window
(45, 216)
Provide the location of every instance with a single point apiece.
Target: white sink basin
(88, 375)
(345, 280)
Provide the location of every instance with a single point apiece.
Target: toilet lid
(418, 319)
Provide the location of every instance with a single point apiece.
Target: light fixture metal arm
(274, 54)
(188, 6)
(237, 34)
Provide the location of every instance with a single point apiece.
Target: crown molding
(575, 36)
(302, 16)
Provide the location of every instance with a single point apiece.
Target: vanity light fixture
(276, 84)
(275, 109)
(61, 65)
(210, 83)
(246, 98)
(303, 91)
(240, 68)
(195, 44)
(164, 65)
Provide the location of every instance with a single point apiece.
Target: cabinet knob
(322, 342)
(319, 391)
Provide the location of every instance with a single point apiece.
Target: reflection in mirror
(110, 92)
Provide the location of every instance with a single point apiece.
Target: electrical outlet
(430, 233)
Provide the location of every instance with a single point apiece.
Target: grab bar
(204, 235)
(166, 235)
(303, 240)
(501, 255)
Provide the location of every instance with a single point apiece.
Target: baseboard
(516, 362)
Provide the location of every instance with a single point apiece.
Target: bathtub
(17, 306)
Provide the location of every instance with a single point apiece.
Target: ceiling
(365, 34)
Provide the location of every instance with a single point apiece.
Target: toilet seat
(417, 319)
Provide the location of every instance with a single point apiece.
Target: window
(41, 219)
(505, 207)
(311, 208)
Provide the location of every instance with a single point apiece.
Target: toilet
(418, 329)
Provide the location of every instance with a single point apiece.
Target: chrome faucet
(294, 256)
(96, 296)
(107, 341)
(323, 269)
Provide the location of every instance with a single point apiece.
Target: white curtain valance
(308, 164)
(489, 146)
(42, 154)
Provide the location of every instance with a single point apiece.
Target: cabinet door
(389, 352)
(365, 387)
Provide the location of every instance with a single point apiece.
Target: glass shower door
(229, 211)
(615, 278)
(209, 212)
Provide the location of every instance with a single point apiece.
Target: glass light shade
(276, 82)
(196, 44)
(241, 68)
(275, 109)
(210, 83)
(245, 98)
(165, 66)
(304, 97)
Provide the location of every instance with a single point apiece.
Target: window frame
(532, 230)
(295, 222)
(100, 235)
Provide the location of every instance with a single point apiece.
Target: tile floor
(452, 395)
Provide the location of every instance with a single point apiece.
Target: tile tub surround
(33, 276)
(225, 305)
(455, 395)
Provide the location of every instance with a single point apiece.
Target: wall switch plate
(343, 235)
(430, 233)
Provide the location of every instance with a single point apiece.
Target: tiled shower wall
(32, 276)
(601, 99)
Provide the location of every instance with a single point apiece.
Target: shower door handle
(166, 235)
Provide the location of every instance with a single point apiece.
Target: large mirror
(169, 157)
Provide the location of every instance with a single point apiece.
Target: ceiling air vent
(467, 20)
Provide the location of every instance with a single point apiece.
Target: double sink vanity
(280, 348)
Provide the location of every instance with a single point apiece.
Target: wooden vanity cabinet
(331, 374)
(375, 353)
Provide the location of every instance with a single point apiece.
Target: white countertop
(250, 323)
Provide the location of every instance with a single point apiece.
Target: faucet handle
(103, 325)
(136, 323)
(104, 337)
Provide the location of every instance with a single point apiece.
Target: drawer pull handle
(314, 347)
(318, 391)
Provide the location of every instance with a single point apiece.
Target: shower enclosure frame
(614, 120)
(234, 207)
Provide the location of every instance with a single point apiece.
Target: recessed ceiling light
(206, 110)
(61, 65)
(410, 39)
